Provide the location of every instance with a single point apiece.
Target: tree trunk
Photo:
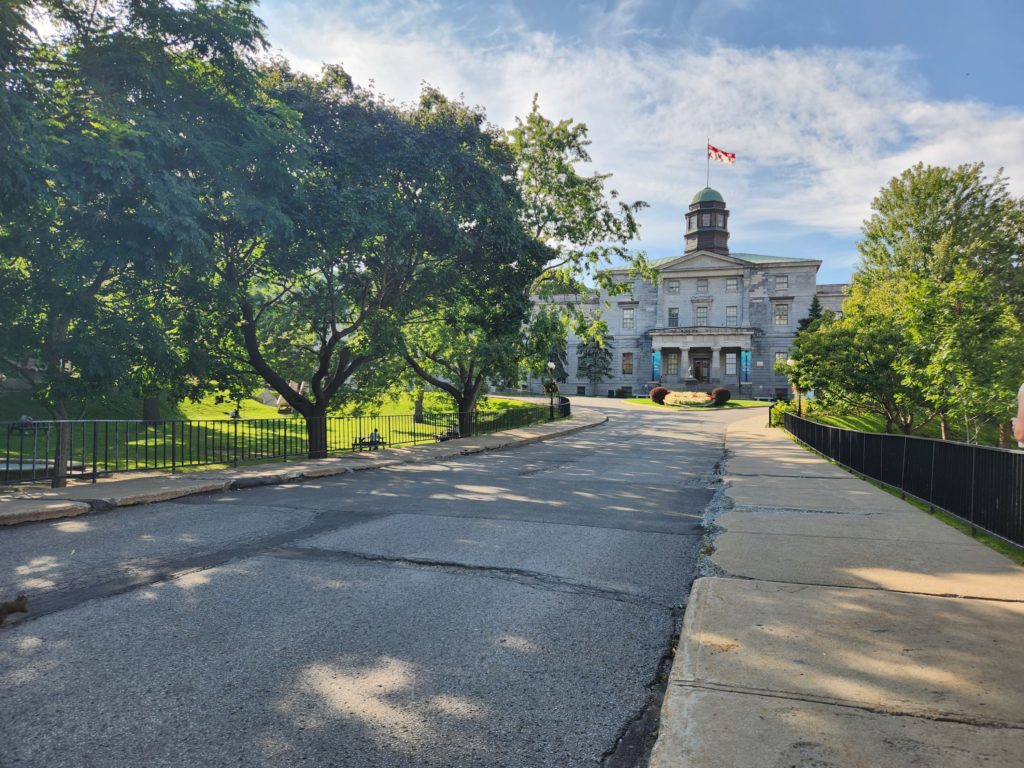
(944, 426)
(316, 432)
(417, 410)
(1004, 434)
(151, 409)
(62, 449)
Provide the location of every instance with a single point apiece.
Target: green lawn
(869, 422)
(200, 434)
(730, 404)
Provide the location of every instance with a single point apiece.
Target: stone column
(684, 363)
(716, 365)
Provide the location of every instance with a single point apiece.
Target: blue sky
(821, 101)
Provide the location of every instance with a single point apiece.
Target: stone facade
(714, 318)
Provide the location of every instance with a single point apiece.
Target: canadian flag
(721, 155)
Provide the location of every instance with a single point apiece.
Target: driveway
(503, 609)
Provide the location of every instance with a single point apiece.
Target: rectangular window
(731, 315)
(673, 317)
(730, 363)
(781, 314)
(705, 219)
(581, 391)
(700, 315)
(627, 362)
(702, 285)
(732, 284)
(721, 220)
(782, 282)
(628, 318)
(672, 286)
(672, 363)
(692, 223)
(780, 357)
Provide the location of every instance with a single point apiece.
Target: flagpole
(707, 152)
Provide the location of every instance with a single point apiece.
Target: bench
(364, 442)
(29, 427)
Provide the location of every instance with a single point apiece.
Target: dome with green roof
(707, 195)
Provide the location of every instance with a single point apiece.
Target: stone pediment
(702, 260)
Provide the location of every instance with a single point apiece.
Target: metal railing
(982, 486)
(29, 451)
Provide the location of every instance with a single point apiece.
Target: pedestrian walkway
(848, 629)
(43, 503)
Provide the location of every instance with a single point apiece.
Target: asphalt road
(505, 609)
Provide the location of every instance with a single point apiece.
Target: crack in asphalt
(535, 579)
(46, 603)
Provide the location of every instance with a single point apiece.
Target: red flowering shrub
(658, 395)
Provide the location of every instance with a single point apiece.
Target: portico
(699, 357)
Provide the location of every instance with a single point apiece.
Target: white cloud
(817, 131)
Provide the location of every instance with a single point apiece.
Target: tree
(130, 96)
(814, 313)
(586, 226)
(546, 342)
(952, 239)
(474, 331)
(593, 361)
(857, 360)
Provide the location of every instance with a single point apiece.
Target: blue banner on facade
(656, 365)
(745, 365)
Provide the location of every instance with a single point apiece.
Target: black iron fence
(981, 485)
(29, 450)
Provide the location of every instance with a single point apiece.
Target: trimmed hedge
(658, 395)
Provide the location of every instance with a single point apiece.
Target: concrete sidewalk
(124, 490)
(847, 629)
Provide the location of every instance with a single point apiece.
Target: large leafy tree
(952, 239)
(585, 223)
(133, 99)
(392, 208)
(473, 331)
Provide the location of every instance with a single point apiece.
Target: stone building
(715, 317)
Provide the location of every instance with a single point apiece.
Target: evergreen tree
(593, 362)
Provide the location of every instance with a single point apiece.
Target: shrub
(721, 395)
(658, 395)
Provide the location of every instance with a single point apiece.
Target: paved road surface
(508, 609)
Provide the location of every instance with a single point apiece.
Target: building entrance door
(701, 367)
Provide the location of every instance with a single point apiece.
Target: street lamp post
(551, 390)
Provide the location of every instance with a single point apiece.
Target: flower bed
(687, 398)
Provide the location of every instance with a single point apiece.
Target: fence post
(234, 448)
(903, 471)
(174, 446)
(974, 462)
(931, 481)
(95, 448)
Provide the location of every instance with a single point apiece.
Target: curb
(48, 509)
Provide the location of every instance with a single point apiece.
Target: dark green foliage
(594, 362)
(813, 314)
(720, 395)
(658, 395)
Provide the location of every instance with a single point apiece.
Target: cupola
(707, 223)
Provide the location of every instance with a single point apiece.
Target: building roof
(753, 258)
(707, 195)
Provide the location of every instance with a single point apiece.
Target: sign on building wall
(656, 365)
(745, 365)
